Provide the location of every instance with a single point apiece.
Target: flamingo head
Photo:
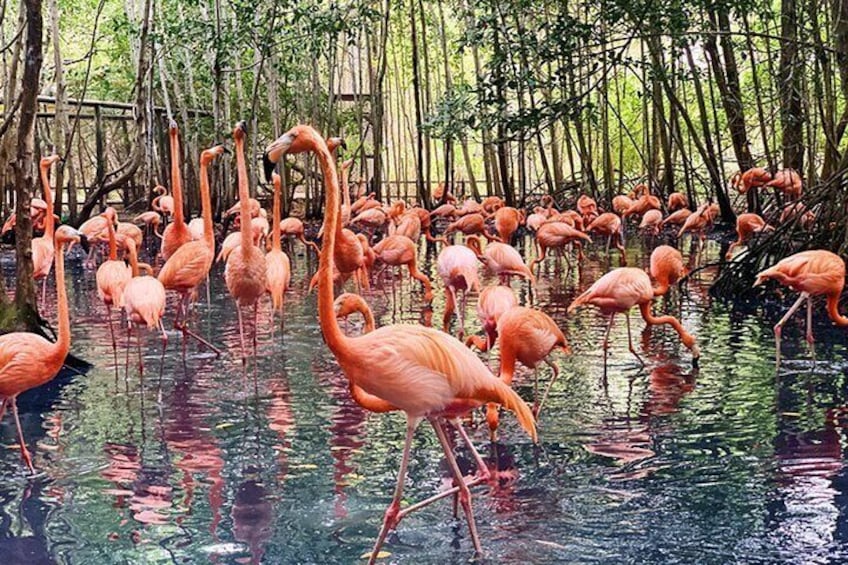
(299, 139)
(210, 154)
(47, 162)
(333, 143)
(67, 235)
(240, 131)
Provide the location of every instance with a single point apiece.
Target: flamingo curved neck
(833, 310)
(661, 289)
(176, 182)
(206, 206)
(336, 340)
(49, 221)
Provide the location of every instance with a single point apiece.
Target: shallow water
(199, 463)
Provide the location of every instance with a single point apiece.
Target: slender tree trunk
(792, 115)
(25, 180)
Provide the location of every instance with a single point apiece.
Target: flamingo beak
(83, 241)
(172, 126)
(275, 151)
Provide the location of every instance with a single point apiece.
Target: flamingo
(535, 220)
(151, 220)
(176, 233)
(349, 303)
(409, 226)
(457, 266)
(195, 227)
(144, 303)
(28, 360)
(253, 206)
(164, 202)
(245, 272)
(448, 378)
(491, 204)
(294, 227)
(445, 211)
(94, 228)
(788, 181)
(190, 263)
(470, 206)
(644, 203)
(610, 225)
(111, 278)
(587, 207)
(557, 235)
(621, 203)
(398, 250)
(350, 253)
(812, 273)
(42, 247)
(502, 260)
(126, 230)
(746, 226)
(507, 220)
(651, 221)
(798, 212)
(529, 336)
(698, 222)
(620, 290)
(666, 268)
(470, 224)
(360, 202)
(676, 218)
(677, 201)
(752, 178)
(491, 304)
(374, 218)
(277, 264)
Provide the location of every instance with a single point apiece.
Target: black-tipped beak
(172, 125)
(242, 125)
(344, 144)
(84, 243)
(226, 150)
(268, 166)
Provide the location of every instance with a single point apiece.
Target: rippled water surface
(197, 462)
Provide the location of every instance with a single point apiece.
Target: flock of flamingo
(426, 373)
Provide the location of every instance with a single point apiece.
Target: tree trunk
(791, 96)
(25, 180)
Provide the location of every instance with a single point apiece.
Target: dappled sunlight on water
(204, 461)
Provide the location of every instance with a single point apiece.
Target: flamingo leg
(778, 327)
(255, 328)
(392, 517)
(464, 492)
(550, 385)
(181, 324)
(43, 292)
(630, 339)
(24, 451)
(462, 304)
(482, 469)
(127, 359)
(606, 339)
(3, 408)
(810, 339)
(241, 334)
(140, 358)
